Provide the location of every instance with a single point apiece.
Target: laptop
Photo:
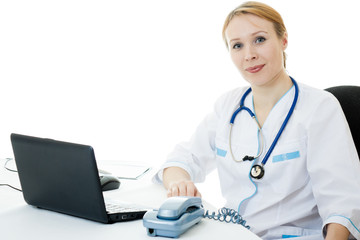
(63, 177)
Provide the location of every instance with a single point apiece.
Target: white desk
(21, 221)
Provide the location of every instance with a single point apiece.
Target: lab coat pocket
(222, 150)
(228, 168)
(286, 167)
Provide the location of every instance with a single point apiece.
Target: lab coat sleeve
(197, 156)
(333, 166)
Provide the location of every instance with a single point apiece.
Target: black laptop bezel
(62, 177)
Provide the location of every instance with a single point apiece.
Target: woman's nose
(250, 53)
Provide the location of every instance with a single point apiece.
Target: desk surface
(19, 220)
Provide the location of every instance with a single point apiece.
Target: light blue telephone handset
(178, 214)
(175, 216)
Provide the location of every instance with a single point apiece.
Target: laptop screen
(59, 176)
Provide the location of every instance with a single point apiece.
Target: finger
(195, 192)
(173, 191)
(169, 193)
(191, 189)
(182, 189)
(198, 194)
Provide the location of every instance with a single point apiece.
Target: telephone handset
(175, 216)
(174, 208)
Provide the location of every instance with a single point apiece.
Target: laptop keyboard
(113, 208)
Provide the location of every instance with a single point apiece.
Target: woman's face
(255, 49)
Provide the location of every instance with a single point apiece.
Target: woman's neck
(266, 96)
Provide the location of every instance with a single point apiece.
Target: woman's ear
(284, 41)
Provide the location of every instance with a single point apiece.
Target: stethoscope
(257, 171)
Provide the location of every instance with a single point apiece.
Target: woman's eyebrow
(261, 31)
(253, 34)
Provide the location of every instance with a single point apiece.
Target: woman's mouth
(255, 69)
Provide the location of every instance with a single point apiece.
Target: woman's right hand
(178, 183)
(183, 188)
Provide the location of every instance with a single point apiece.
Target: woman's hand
(178, 183)
(183, 188)
(336, 231)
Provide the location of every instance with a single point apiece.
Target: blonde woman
(283, 150)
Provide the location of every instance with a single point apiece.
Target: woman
(302, 176)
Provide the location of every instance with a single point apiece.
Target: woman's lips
(255, 69)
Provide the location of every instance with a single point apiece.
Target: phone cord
(227, 215)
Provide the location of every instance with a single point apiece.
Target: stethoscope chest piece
(257, 171)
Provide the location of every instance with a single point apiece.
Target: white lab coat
(312, 177)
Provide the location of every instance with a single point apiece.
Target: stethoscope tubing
(242, 107)
(262, 140)
(267, 155)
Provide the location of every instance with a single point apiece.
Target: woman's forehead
(245, 25)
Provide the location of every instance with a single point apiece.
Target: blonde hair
(261, 10)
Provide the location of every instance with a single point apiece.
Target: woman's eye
(260, 40)
(237, 45)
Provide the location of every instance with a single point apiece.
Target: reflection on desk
(19, 220)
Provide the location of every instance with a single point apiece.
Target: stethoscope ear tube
(257, 171)
(232, 120)
(292, 108)
(262, 140)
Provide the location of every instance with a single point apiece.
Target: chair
(349, 98)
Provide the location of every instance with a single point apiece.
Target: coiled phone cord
(227, 215)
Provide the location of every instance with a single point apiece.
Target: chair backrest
(349, 98)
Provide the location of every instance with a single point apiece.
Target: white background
(133, 78)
